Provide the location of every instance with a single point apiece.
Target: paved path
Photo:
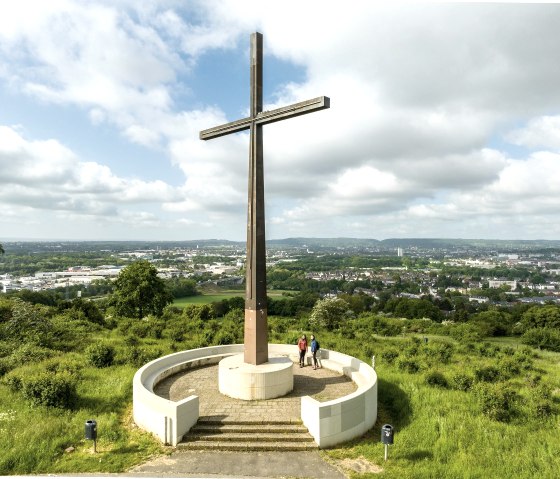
(322, 384)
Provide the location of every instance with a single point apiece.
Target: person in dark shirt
(314, 349)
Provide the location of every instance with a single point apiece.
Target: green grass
(34, 439)
(440, 433)
(205, 299)
(218, 295)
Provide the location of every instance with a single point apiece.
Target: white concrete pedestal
(240, 380)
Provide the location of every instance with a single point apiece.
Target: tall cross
(256, 334)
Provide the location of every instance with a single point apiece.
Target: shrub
(437, 379)
(438, 351)
(131, 341)
(486, 374)
(139, 356)
(461, 382)
(140, 329)
(100, 355)
(389, 355)
(496, 401)
(508, 367)
(5, 366)
(524, 358)
(224, 337)
(14, 381)
(409, 365)
(488, 350)
(51, 390)
(466, 332)
(69, 365)
(541, 405)
(29, 353)
(176, 335)
(545, 338)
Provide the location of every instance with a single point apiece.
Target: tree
(541, 317)
(139, 291)
(27, 324)
(1, 249)
(330, 312)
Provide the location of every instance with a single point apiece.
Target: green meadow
(460, 409)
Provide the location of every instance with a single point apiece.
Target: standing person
(302, 346)
(314, 349)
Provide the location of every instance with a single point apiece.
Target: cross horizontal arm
(297, 109)
(265, 117)
(226, 129)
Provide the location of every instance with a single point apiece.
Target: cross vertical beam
(256, 334)
(256, 324)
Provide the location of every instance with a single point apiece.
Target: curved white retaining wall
(329, 422)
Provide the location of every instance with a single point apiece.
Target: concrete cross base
(240, 380)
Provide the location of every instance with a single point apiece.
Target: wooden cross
(256, 334)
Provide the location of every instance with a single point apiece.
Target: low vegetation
(464, 401)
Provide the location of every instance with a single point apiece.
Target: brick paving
(321, 384)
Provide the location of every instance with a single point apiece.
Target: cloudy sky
(444, 119)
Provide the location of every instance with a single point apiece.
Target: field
(213, 295)
(485, 409)
(441, 432)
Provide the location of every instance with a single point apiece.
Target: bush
(466, 332)
(5, 366)
(14, 381)
(541, 405)
(524, 358)
(508, 367)
(545, 338)
(487, 374)
(176, 335)
(100, 355)
(29, 353)
(437, 379)
(51, 390)
(461, 382)
(139, 356)
(488, 350)
(69, 365)
(43, 388)
(389, 355)
(496, 401)
(408, 365)
(438, 351)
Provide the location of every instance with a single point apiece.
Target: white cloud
(46, 175)
(541, 132)
(418, 93)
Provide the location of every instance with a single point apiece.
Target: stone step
(201, 428)
(247, 446)
(240, 437)
(229, 435)
(212, 420)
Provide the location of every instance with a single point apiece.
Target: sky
(444, 119)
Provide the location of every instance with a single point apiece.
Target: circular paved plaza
(321, 384)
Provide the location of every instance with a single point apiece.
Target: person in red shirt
(302, 346)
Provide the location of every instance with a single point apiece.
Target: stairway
(230, 435)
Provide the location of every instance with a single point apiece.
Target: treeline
(26, 264)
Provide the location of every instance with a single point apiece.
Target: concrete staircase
(229, 435)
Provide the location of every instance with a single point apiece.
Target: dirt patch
(360, 465)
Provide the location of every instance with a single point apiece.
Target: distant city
(521, 271)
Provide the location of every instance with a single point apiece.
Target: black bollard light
(387, 434)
